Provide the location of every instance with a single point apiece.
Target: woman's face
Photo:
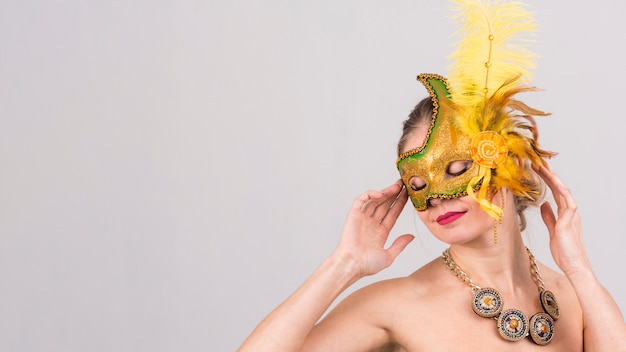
(440, 167)
(453, 221)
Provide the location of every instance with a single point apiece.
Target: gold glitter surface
(443, 145)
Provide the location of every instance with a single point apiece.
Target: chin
(455, 240)
(460, 234)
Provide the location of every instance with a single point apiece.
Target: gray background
(172, 170)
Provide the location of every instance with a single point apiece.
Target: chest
(452, 326)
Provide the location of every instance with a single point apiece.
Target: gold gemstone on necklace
(549, 304)
(487, 302)
(541, 328)
(513, 325)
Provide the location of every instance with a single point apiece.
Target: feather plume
(490, 66)
(492, 49)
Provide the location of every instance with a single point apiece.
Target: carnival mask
(444, 145)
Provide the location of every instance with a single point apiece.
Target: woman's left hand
(566, 240)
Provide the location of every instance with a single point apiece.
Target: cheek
(479, 218)
(429, 222)
(424, 216)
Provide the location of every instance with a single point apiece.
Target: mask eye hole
(458, 168)
(417, 183)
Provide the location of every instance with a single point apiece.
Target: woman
(470, 162)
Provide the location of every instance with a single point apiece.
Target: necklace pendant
(541, 328)
(513, 325)
(487, 302)
(549, 304)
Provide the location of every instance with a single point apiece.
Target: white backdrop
(172, 170)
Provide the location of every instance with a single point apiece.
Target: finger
(548, 217)
(399, 245)
(363, 201)
(376, 203)
(571, 209)
(395, 208)
(567, 206)
(391, 195)
(395, 187)
(552, 181)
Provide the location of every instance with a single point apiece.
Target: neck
(504, 265)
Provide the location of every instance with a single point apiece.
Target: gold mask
(443, 145)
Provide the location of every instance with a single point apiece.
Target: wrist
(345, 266)
(581, 275)
(579, 270)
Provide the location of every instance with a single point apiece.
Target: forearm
(605, 329)
(288, 326)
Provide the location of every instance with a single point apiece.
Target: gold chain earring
(499, 221)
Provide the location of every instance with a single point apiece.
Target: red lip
(449, 217)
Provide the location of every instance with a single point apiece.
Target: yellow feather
(492, 50)
(491, 65)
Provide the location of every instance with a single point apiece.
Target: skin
(430, 310)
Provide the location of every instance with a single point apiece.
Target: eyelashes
(455, 169)
(458, 168)
(415, 187)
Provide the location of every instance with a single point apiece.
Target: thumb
(399, 245)
(548, 217)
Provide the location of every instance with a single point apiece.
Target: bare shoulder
(395, 314)
(571, 320)
(395, 303)
(419, 285)
(369, 318)
(391, 292)
(383, 305)
(557, 282)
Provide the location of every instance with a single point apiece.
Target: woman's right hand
(366, 230)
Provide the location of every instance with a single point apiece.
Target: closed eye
(458, 168)
(417, 183)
